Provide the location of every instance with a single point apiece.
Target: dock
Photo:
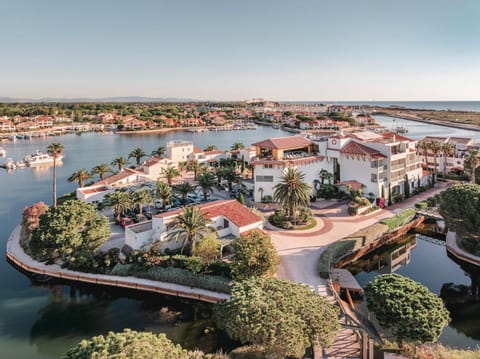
(346, 280)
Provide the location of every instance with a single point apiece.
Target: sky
(315, 50)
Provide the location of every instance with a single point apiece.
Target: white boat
(9, 165)
(3, 153)
(20, 164)
(39, 158)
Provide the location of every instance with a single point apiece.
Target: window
(373, 177)
(374, 164)
(264, 178)
(267, 166)
(226, 223)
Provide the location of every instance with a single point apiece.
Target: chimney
(394, 138)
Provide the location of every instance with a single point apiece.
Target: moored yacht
(39, 158)
(3, 153)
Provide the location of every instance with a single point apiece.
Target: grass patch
(312, 223)
(400, 219)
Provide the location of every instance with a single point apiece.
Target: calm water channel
(43, 321)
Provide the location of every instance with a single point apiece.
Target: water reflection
(76, 312)
(425, 259)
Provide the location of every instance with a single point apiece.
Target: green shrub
(353, 209)
(267, 199)
(196, 264)
(399, 219)
(220, 268)
(278, 218)
(421, 205)
(187, 278)
(124, 270)
(332, 253)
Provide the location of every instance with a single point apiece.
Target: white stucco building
(228, 218)
(275, 155)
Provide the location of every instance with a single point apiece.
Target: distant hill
(105, 99)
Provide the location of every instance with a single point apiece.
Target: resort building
(229, 219)
(179, 151)
(274, 155)
(375, 161)
(455, 161)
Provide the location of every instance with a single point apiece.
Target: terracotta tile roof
(124, 173)
(355, 148)
(389, 135)
(233, 210)
(352, 183)
(215, 152)
(88, 190)
(460, 140)
(152, 161)
(197, 149)
(284, 143)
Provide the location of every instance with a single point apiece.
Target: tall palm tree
(182, 166)
(137, 153)
(183, 189)
(144, 196)
(189, 227)
(206, 182)
(472, 161)
(292, 191)
(210, 148)
(119, 201)
(170, 173)
(55, 150)
(80, 177)
(435, 148)
(159, 151)
(237, 146)
(101, 170)
(325, 176)
(119, 162)
(448, 150)
(164, 192)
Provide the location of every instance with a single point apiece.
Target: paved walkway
(299, 251)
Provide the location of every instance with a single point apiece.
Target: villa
(228, 218)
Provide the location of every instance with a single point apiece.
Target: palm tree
(472, 161)
(55, 150)
(160, 151)
(164, 192)
(120, 162)
(230, 175)
(210, 148)
(195, 166)
(183, 189)
(436, 148)
(119, 201)
(137, 153)
(141, 197)
(325, 176)
(170, 173)
(189, 227)
(101, 170)
(206, 182)
(424, 146)
(237, 146)
(183, 166)
(292, 192)
(448, 150)
(80, 177)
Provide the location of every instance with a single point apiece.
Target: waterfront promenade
(17, 256)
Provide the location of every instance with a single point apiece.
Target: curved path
(299, 251)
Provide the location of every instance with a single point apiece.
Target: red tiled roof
(124, 173)
(93, 190)
(197, 149)
(284, 143)
(152, 161)
(352, 183)
(233, 210)
(215, 152)
(389, 135)
(355, 148)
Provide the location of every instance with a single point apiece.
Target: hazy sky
(234, 50)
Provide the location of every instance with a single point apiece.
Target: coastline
(459, 125)
(17, 256)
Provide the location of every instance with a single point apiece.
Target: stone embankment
(17, 256)
(456, 251)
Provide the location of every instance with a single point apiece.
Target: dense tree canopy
(283, 317)
(254, 255)
(69, 230)
(407, 308)
(127, 344)
(460, 207)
